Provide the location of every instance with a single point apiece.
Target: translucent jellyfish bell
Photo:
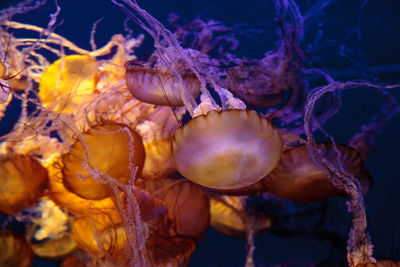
(22, 182)
(227, 150)
(173, 237)
(68, 82)
(159, 87)
(111, 150)
(298, 178)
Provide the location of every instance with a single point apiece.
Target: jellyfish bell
(226, 150)
(173, 237)
(159, 86)
(111, 151)
(68, 82)
(71, 202)
(102, 236)
(23, 181)
(297, 177)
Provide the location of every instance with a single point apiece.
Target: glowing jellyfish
(241, 149)
(68, 82)
(23, 181)
(111, 149)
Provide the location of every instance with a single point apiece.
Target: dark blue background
(374, 56)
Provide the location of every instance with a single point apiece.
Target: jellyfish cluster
(111, 159)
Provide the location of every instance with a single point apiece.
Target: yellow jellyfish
(68, 83)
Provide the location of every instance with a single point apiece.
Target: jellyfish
(158, 86)
(241, 149)
(55, 89)
(23, 182)
(121, 157)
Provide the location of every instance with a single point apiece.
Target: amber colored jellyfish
(23, 181)
(110, 151)
(298, 178)
(101, 236)
(14, 251)
(227, 150)
(173, 237)
(71, 202)
(157, 86)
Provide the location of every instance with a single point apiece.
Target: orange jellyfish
(298, 178)
(71, 202)
(110, 151)
(173, 236)
(22, 182)
(227, 150)
(159, 86)
(101, 236)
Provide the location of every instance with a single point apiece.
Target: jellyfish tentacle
(359, 248)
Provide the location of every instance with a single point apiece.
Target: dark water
(351, 40)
